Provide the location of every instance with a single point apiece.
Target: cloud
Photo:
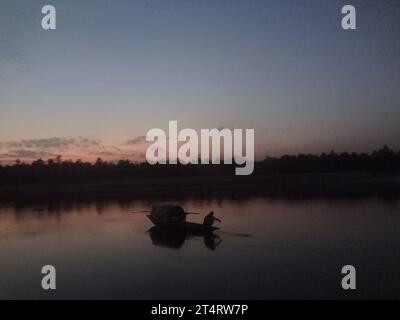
(23, 153)
(32, 149)
(140, 140)
(72, 148)
(54, 142)
(137, 140)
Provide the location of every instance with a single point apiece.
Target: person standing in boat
(210, 219)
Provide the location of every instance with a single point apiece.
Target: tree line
(65, 171)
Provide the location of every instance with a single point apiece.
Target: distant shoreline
(290, 185)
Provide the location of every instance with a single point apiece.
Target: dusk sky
(112, 70)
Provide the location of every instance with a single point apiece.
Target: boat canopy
(167, 213)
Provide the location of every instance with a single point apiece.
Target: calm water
(267, 249)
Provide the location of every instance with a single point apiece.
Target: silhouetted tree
(61, 171)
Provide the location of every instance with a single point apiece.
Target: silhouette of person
(210, 219)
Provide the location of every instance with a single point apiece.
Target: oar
(144, 211)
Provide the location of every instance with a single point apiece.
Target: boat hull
(188, 226)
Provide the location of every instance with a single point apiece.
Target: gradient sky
(115, 69)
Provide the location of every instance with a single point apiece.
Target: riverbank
(296, 185)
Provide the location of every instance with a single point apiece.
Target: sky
(112, 70)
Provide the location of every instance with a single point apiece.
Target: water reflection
(272, 248)
(175, 239)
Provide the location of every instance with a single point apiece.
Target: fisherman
(210, 219)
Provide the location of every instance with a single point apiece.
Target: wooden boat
(183, 226)
(173, 217)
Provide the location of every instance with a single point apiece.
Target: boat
(174, 218)
(189, 226)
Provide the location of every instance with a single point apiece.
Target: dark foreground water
(266, 249)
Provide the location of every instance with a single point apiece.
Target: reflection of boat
(175, 238)
(174, 218)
